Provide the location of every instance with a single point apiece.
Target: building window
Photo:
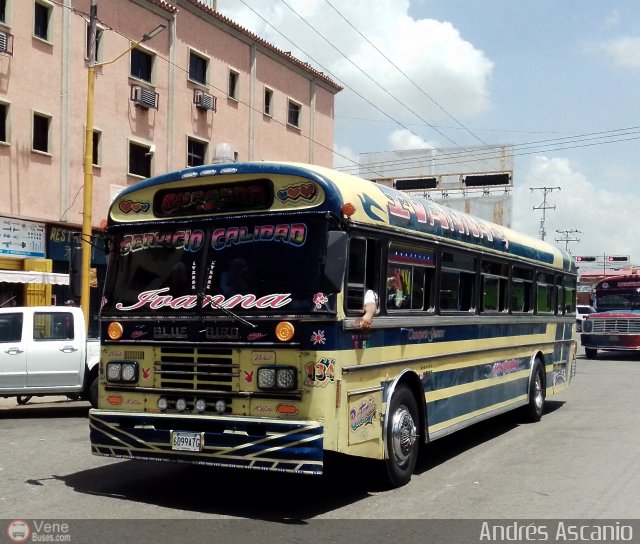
(3, 11)
(139, 160)
(233, 84)
(196, 152)
(42, 20)
(41, 124)
(4, 122)
(141, 64)
(268, 99)
(293, 115)
(197, 68)
(99, 33)
(97, 141)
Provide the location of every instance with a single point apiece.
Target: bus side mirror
(334, 261)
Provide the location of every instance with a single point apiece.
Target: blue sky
(448, 73)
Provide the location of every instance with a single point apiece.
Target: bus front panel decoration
(232, 308)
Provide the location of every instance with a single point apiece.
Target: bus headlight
(122, 371)
(282, 378)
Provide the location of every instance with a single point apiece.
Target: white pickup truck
(44, 350)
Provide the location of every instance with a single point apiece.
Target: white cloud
(604, 217)
(403, 139)
(613, 19)
(432, 53)
(624, 52)
(344, 157)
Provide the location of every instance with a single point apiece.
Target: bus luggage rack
(196, 369)
(621, 326)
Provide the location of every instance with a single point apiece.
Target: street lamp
(88, 152)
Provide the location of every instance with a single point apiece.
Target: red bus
(616, 323)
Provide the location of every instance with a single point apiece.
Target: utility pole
(544, 206)
(567, 237)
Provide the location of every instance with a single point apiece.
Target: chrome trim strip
(284, 395)
(364, 390)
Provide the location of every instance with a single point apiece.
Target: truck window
(11, 327)
(53, 326)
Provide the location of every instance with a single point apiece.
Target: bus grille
(196, 369)
(616, 326)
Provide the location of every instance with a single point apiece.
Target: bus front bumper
(621, 342)
(225, 441)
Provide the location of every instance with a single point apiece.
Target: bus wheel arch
(404, 428)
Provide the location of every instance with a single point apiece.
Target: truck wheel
(92, 394)
(537, 394)
(402, 437)
(23, 399)
(591, 353)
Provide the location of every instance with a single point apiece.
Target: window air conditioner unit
(204, 101)
(144, 98)
(6, 43)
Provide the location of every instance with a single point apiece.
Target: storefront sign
(22, 238)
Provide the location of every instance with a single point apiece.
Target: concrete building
(202, 90)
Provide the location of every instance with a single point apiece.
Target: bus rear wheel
(537, 394)
(591, 353)
(402, 437)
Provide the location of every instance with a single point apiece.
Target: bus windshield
(619, 301)
(252, 267)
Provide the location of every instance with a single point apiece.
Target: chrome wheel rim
(539, 396)
(403, 434)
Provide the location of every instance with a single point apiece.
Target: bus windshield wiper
(224, 310)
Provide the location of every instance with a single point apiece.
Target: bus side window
(356, 274)
(457, 282)
(521, 289)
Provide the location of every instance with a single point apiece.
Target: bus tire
(591, 353)
(537, 393)
(92, 393)
(401, 437)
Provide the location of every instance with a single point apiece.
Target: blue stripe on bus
(331, 336)
(435, 381)
(449, 408)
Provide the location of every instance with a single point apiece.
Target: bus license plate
(186, 441)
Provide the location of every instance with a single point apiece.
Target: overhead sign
(22, 238)
(604, 258)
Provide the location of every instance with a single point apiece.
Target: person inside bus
(370, 308)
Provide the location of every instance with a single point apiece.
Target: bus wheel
(402, 437)
(537, 394)
(23, 399)
(92, 395)
(591, 353)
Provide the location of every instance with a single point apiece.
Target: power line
(405, 75)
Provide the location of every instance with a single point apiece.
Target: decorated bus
(231, 321)
(616, 323)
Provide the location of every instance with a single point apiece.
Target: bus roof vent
(223, 153)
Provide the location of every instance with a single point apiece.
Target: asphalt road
(582, 461)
